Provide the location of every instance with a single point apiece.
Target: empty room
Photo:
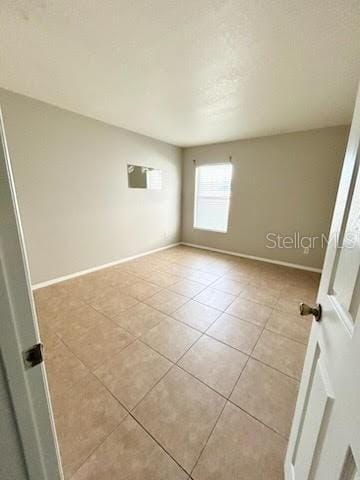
(179, 240)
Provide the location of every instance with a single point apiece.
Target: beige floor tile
(245, 267)
(111, 302)
(235, 332)
(130, 374)
(84, 417)
(57, 291)
(141, 271)
(300, 293)
(195, 261)
(202, 277)
(63, 369)
(146, 261)
(281, 353)
(130, 453)
(116, 276)
(171, 338)
(238, 276)
(50, 302)
(214, 363)
(274, 269)
(49, 339)
(264, 296)
(140, 318)
(267, 395)
(162, 279)
(296, 276)
(292, 326)
(268, 279)
(86, 286)
(161, 263)
(216, 268)
(98, 344)
(166, 301)
(176, 408)
(197, 315)
(180, 413)
(188, 288)
(141, 290)
(240, 448)
(215, 298)
(250, 311)
(183, 261)
(228, 285)
(77, 322)
(176, 269)
(288, 305)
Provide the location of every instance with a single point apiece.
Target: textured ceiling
(187, 71)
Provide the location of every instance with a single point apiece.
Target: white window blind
(154, 179)
(212, 197)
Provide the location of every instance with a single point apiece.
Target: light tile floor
(183, 364)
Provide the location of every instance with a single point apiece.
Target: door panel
(324, 443)
(317, 410)
(12, 466)
(27, 388)
(347, 262)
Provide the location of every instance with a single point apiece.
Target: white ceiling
(187, 72)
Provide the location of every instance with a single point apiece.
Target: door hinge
(33, 356)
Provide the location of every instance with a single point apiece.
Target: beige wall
(282, 183)
(71, 179)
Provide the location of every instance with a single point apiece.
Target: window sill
(209, 230)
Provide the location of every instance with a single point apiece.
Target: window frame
(196, 198)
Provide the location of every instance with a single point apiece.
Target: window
(153, 179)
(212, 197)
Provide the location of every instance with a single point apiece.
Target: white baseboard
(203, 247)
(99, 267)
(252, 257)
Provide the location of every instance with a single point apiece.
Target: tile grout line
(208, 438)
(173, 318)
(157, 442)
(177, 362)
(225, 402)
(170, 316)
(235, 348)
(218, 418)
(165, 374)
(98, 446)
(91, 373)
(222, 312)
(228, 400)
(202, 333)
(130, 413)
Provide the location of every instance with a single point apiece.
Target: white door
(31, 427)
(325, 438)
